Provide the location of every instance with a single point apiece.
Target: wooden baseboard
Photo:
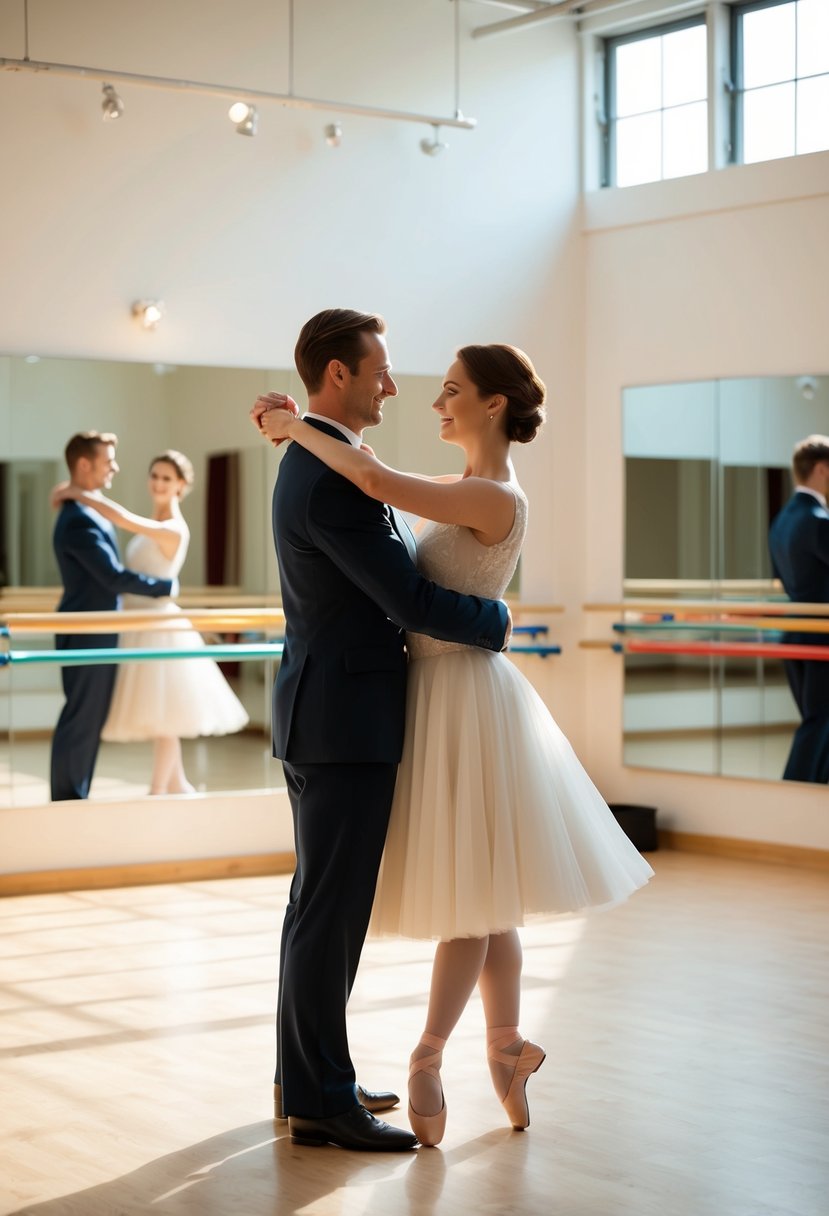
(143, 874)
(746, 850)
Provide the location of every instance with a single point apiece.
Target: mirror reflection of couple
(159, 701)
(425, 758)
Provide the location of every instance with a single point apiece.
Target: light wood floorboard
(686, 1073)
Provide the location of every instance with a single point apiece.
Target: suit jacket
(349, 590)
(799, 545)
(91, 571)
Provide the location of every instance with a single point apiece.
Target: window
(656, 98)
(780, 74)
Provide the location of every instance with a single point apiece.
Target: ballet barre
(688, 609)
(242, 652)
(128, 620)
(760, 625)
(725, 650)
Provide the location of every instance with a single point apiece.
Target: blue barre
(542, 650)
(532, 630)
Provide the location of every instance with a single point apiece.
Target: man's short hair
(86, 443)
(807, 453)
(335, 333)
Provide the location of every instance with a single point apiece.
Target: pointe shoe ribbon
(429, 1129)
(523, 1065)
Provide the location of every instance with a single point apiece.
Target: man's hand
(267, 402)
(508, 634)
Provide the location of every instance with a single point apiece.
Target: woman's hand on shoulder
(64, 491)
(273, 414)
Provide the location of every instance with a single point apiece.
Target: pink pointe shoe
(521, 1065)
(429, 1129)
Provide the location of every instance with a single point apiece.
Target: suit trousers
(77, 736)
(341, 815)
(809, 681)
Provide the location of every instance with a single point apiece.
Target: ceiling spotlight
(433, 147)
(245, 116)
(333, 135)
(148, 312)
(111, 104)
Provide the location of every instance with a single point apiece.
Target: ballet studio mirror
(202, 412)
(707, 467)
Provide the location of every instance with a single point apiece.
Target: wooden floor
(686, 1073)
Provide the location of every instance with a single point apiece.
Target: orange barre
(228, 620)
(727, 650)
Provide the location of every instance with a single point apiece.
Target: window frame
(737, 88)
(610, 118)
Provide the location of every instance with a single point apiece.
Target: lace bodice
(144, 555)
(450, 555)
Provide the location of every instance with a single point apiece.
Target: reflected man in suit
(350, 588)
(799, 546)
(93, 578)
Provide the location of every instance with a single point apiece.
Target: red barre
(729, 650)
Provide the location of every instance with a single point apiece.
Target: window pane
(685, 140)
(812, 38)
(638, 77)
(768, 123)
(768, 46)
(638, 156)
(813, 114)
(684, 66)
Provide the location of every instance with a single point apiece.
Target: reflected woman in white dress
(165, 702)
(494, 819)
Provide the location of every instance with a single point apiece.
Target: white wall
(244, 238)
(726, 277)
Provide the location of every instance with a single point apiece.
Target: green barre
(123, 654)
(690, 627)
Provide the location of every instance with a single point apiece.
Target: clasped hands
(272, 415)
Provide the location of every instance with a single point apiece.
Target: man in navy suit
(93, 578)
(349, 589)
(799, 545)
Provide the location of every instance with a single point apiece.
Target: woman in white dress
(171, 701)
(494, 819)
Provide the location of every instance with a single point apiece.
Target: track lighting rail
(289, 100)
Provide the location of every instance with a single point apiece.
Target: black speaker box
(638, 823)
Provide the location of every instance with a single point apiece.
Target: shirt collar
(815, 493)
(354, 439)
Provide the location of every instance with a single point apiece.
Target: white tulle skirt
(184, 698)
(494, 819)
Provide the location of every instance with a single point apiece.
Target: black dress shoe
(356, 1129)
(384, 1100)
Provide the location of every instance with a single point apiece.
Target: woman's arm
(166, 536)
(487, 507)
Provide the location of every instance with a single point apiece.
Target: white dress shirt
(354, 439)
